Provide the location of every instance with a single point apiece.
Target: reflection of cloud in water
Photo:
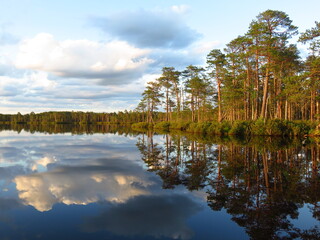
(157, 216)
(21, 149)
(112, 180)
(44, 162)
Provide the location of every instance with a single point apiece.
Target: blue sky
(98, 55)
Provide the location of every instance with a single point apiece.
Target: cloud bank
(83, 185)
(46, 73)
(112, 63)
(150, 29)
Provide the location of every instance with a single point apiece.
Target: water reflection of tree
(262, 188)
(177, 161)
(71, 128)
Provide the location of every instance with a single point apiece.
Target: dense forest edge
(134, 120)
(259, 84)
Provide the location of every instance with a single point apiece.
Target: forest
(259, 81)
(259, 75)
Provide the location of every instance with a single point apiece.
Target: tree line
(72, 117)
(259, 75)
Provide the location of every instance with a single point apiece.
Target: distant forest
(72, 117)
(259, 75)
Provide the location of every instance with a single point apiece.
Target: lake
(108, 183)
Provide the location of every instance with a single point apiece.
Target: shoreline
(274, 127)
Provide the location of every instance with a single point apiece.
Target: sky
(98, 55)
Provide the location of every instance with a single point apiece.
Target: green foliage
(162, 126)
(225, 127)
(258, 128)
(217, 128)
(315, 132)
(199, 127)
(142, 125)
(300, 128)
(179, 125)
(241, 128)
(258, 74)
(315, 129)
(214, 129)
(276, 127)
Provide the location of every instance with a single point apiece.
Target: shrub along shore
(260, 127)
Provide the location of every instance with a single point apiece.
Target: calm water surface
(153, 186)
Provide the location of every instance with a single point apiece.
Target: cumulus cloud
(37, 91)
(83, 185)
(43, 162)
(41, 91)
(112, 63)
(31, 83)
(157, 216)
(181, 9)
(7, 68)
(150, 29)
(48, 74)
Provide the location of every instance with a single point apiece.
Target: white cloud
(150, 28)
(44, 162)
(42, 190)
(29, 83)
(180, 9)
(111, 63)
(39, 91)
(43, 73)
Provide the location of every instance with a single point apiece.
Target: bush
(241, 128)
(162, 126)
(274, 127)
(198, 127)
(277, 127)
(316, 129)
(225, 128)
(179, 125)
(216, 128)
(142, 125)
(258, 128)
(300, 128)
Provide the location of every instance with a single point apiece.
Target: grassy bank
(274, 127)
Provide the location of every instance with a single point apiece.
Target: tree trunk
(219, 101)
(167, 104)
(256, 100)
(265, 95)
(312, 106)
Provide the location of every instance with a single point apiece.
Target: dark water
(151, 186)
